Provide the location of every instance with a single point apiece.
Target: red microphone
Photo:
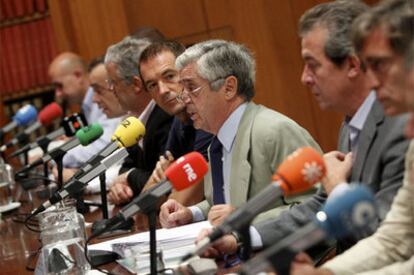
(186, 170)
(49, 113)
(302, 169)
(181, 174)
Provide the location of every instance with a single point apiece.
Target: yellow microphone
(128, 132)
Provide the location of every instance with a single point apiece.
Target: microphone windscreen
(71, 124)
(25, 115)
(349, 210)
(300, 171)
(129, 132)
(49, 113)
(186, 170)
(89, 134)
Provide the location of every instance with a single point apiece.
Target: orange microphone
(302, 169)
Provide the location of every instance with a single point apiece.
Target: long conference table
(19, 247)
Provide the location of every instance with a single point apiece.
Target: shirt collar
(228, 131)
(358, 120)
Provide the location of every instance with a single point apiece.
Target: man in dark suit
(121, 62)
(340, 82)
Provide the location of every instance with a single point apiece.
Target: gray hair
(218, 59)
(396, 16)
(337, 18)
(125, 55)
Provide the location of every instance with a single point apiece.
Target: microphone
(46, 116)
(69, 126)
(127, 134)
(24, 116)
(181, 174)
(302, 169)
(76, 185)
(350, 209)
(84, 136)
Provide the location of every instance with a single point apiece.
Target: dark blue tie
(216, 155)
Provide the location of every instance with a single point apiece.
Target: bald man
(68, 72)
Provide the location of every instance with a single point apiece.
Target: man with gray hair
(375, 143)
(250, 140)
(121, 62)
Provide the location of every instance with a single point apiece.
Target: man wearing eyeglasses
(102, 95)
(121, 62)
(250, 140)
(68, 72)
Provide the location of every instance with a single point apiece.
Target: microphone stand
(151, 213)
(247, 247)
(104, 202)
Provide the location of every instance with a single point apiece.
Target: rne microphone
(84, 136)
(181, 174)
(349, 210)
(45, 117)
(299, 172)
(127, 134)
(75, 186)
(69, 126)
(24, 116)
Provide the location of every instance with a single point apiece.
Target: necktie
(216, 155)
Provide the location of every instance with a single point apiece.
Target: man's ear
(354, 66)
(230, 87)
(137, 83)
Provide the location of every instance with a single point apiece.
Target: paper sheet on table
(177, 236)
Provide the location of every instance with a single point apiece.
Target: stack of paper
(173, 243)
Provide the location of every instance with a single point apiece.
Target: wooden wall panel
(88, 27)
(268, 27)
(175, 18)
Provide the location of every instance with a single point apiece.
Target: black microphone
(349, 209)
(69, 126)
(75, 186)
(84, 136)
(46, 116)
(181, 174)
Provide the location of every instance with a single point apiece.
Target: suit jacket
(264, 138)
(391, 249)
(143, 161)
(379, 164)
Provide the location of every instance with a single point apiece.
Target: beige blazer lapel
(241, 168)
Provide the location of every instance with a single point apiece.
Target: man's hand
(338, 168)
(158, 173)
(303, 265)
(225, 245)
(120, 192)
(173, 214)
(219, 212)
(67, 173)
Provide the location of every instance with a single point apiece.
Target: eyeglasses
(100, 89)
(111, 83)
(189, 92)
